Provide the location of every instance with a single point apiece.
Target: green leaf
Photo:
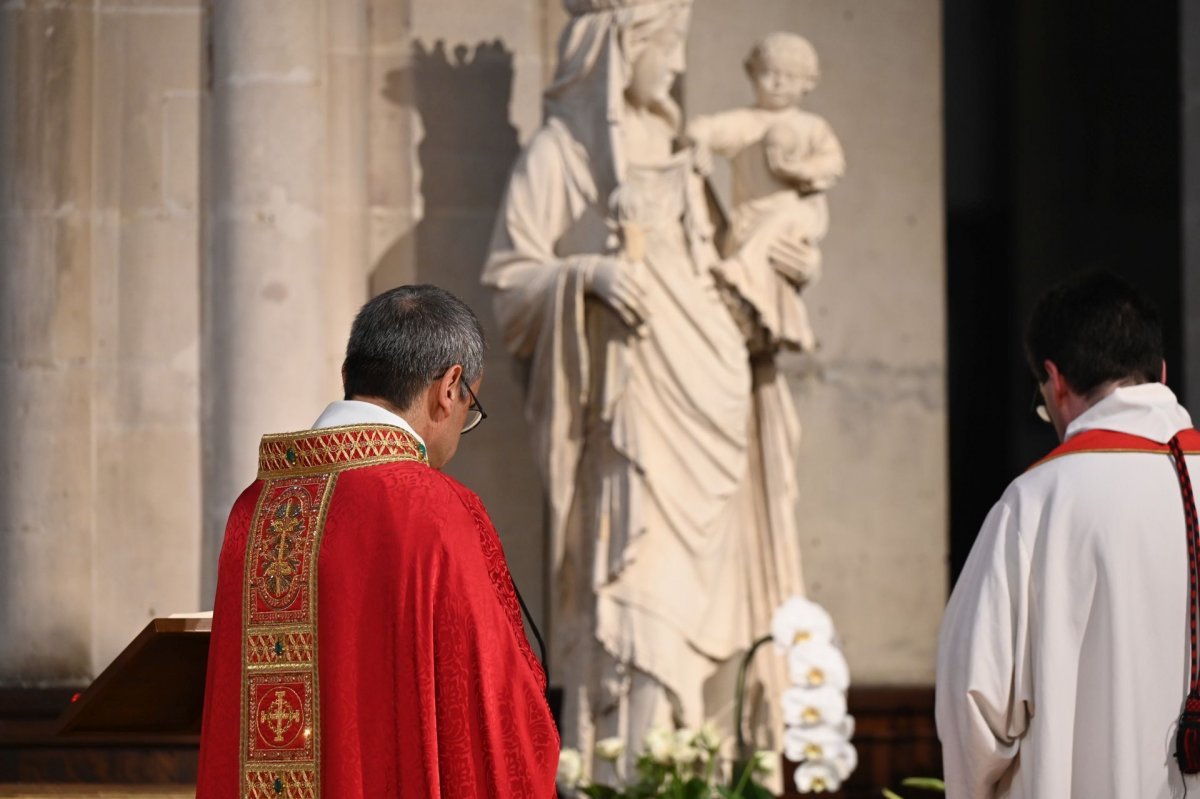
(927, 783)
(600, 792)
(755, 791)
(643, 790)
(889, 795)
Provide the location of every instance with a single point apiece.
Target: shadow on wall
(465, 155)
(466, 152)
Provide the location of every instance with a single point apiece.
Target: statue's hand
(796, 259)
(792, 169)
(618, 283)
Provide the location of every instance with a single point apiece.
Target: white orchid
(799, 620)
(811, 743)
(846, 727)
(808, 707)
(844, 759)
(610, 749)
(818, 729)
(817, 776)
(570, 768)
(660, 745)
(816, 663)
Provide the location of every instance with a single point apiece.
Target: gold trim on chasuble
(280, 704)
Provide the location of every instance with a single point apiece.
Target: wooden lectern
(138, 723)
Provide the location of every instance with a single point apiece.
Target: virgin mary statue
(666, 454)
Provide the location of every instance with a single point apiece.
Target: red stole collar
(1111, 441)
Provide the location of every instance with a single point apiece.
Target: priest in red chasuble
(367, 637)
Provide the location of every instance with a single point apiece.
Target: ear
(444, 393)
(1059, 386)
(1163, 378)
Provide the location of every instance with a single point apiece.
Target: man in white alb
(1063, 659)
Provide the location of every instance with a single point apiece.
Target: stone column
(267, 362)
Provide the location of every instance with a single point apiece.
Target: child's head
(783, 68)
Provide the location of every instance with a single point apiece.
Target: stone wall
(99, 330)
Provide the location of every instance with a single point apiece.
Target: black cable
(536, 632)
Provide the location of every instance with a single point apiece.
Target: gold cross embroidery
(282, 716)
(279, 571)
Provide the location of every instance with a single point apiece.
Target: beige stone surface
(147, 328)
(872, 460)
(99, 279)
(46, 486)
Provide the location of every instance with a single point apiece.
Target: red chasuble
(367, 640)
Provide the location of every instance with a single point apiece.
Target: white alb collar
(1149, 410)
(350, 412)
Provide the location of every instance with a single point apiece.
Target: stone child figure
(783, 160)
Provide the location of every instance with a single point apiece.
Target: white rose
(800, 620)
(570, 768)
(659, 743)
(610, 748)
(817, 776)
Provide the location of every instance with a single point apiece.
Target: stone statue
(783, 160)
(666, 453)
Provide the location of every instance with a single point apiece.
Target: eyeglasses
(1037, 405)
(475, 413)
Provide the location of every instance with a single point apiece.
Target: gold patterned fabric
(280, 702)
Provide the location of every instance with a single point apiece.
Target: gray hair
(405, 338)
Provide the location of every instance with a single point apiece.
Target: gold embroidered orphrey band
(280, 747)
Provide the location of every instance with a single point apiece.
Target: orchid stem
(740, 697)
